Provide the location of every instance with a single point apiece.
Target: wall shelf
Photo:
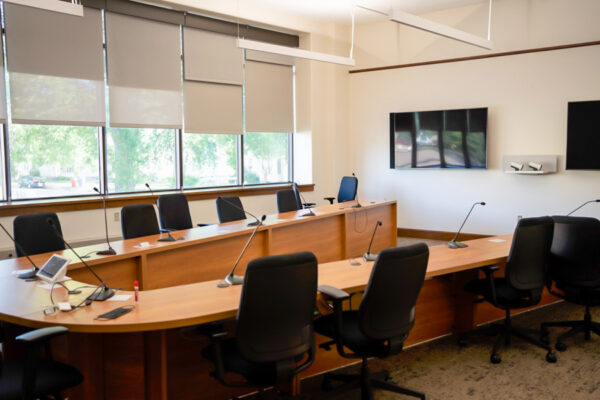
(549, 164)
(529, 172)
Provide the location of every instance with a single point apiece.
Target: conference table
(148, 353)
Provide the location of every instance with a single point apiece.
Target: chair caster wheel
(495, 359)
(560, 346)
(551, 357)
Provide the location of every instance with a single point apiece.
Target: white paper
(142, 245)
(120, 297)
(64, 306)
(497, 240)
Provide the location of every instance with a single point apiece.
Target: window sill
(115, 201)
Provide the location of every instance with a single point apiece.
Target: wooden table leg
(464, 308)
(155, 343)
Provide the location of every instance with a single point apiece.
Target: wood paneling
(360, 224)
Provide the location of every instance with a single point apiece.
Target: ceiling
(340, 11)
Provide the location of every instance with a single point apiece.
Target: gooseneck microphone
(105, 292)
(453, 244)
(310, 212)
(27, 274)
(110, 251)
(357, 205)
(255, 223)
(368, 256)
(168, 238)
(587, 202)
(231, 278)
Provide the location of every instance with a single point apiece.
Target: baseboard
(437, 235)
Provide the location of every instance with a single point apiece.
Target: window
(53, 161)
(209, 160)
(266, 157)
(136, 156)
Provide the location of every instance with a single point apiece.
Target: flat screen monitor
(54, 269)
(439, 139)
(583, 135)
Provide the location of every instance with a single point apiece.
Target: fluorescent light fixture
(294, 52)
(405, 18)
(58, 6)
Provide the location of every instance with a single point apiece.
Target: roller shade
(212, 108)
(144, 72)
(213, 70)
(269, 97)
(56, 67)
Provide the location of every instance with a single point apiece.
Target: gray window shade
(269, 97)
(55, 65)
(144, 72)
(212, 108)
(2, 88)
(211, 57)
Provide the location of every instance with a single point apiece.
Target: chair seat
(51, 377)
(579, 295)
(506, 296)
(353, 337)
(257, 373)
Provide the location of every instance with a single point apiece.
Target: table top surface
(129, 248)
(23, 302)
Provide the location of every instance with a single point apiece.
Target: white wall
(526, 96)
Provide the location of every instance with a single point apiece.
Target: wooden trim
(478, 57)
(116, 201)
(437, 235)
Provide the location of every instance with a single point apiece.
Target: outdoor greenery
(267, 157)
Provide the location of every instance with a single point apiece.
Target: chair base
(587, 326)
(504, 331)
(366, 382)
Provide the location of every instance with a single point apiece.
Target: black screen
(439, 139)
(52, 266)
(583, 135)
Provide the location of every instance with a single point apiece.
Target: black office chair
(347, 192)
(383, 320)
(34, 378)
(138, 220)
(174, 212)
(286, 201)
(230, 208)
(274, 333)
(35, 235)
(522, 286)
(574, 266)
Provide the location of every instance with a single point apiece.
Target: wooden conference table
(143, 354)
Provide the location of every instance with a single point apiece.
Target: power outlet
(116, 217)
(519, 217)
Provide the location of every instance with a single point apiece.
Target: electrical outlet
(519, 217)
(117, 217)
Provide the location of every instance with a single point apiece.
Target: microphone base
(457, 245)
(369, 257)
(234, 279)
(104, 294)
(30, 274)
(255, 223)
(167, 239)
(310, 213)
(108, 252)
(357, 205)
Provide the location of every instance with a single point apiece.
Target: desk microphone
(453, 244)
(105, 292)
(110, 251)
(587, 202)
(255, 223)
(357, 205)
(169, 238)
(310, 212)
(238, 280)
(368, 256)
(28, 274)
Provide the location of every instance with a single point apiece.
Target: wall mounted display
(583, 135)
(439, 139)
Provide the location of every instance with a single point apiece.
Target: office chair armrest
(40, 336)
(489, 274)
(306, 205)
(201, 224)
(333, 293)
(329, 199)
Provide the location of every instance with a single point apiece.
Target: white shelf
(529, 172)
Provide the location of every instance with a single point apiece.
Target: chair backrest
(387, 310)
(348, 188)
(174, 212)
(529, 253)
(575, 252)
(297, 195)
(286, 201)
(275, 316)
(35, 235)
(227, 212)
(138, 220)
